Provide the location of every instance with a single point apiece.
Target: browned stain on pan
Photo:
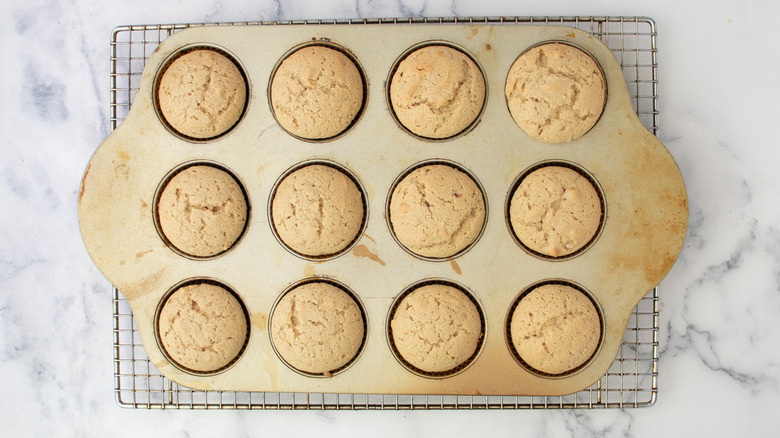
(259, 320)
(122, 171)
(147, 285)
(363, 251)
(660, 230)
(658, 217)
(83, 182)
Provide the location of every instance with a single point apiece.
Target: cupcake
(436, 328)
(437, 92)
(202, 94)
(317, 210)
(317, 328)
(555, 329)
(202, 211)
(202, 327)
(437, 211)
(316, 93)
(555, 211)
(555, 92)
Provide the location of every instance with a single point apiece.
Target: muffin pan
(639, 241)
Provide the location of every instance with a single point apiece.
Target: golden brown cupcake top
(202, 327)
(555, 328)
(555, 92)
(317, 210)
(436, 328)
(316, 92)
(202, 211)
(437, 211)
(555, 211)
(317, 328)
(437, 91)
(202, 94)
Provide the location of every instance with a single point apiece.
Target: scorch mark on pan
(83, 182)
(363, 251)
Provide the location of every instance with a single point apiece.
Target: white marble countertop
(720, 305)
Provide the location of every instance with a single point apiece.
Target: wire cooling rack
(632, 379)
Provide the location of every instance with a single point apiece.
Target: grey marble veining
(720, 304)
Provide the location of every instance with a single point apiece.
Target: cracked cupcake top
(437, 91)
(202, 327)
(317, 210)
(316, 92)
(555, 328)
(317, 328)
(436, 328)
(555, 211)
(202, 211)
(437, 210)
(555, 92)
(202, 94)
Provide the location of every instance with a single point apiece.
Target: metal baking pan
(469, 274)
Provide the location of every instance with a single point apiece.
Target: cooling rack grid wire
(632, 379)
